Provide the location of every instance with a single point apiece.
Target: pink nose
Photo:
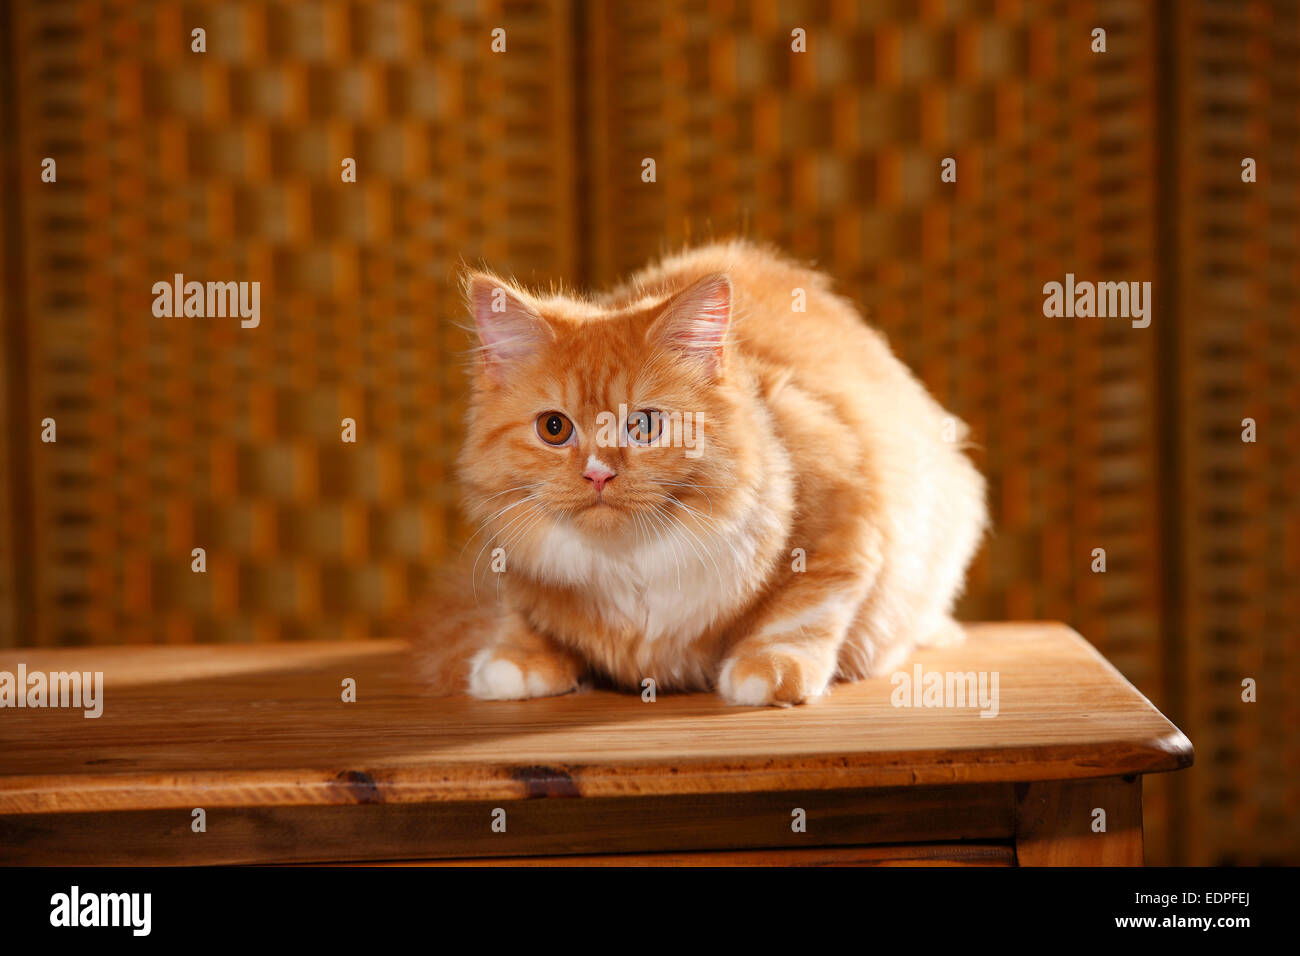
(598, 477)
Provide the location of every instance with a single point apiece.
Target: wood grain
(936, 854)
(260, 726)
(592, 825)
(1056, 822)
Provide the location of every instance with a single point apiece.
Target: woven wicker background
(175, 434)
(1238, 342)
(184, 433)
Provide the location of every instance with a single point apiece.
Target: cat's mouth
(599, 516)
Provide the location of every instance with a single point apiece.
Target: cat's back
(784, 313)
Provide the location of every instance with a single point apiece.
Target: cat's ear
(695, 322)
(509, 329)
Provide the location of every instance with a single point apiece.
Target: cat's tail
(452, 625)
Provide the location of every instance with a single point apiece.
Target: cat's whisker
(712, 535)
(711, 528)
(642, 523)
(494, 516)
(483, 526)
(677, 550)
(523, 531)
(486, 522)
(692, 486)
(695, 511)
(525, 527)
(692, 540)
(723, 535)
(531, 484)
(687, 484)
(678, 556)
(494, 536)
(642, 529)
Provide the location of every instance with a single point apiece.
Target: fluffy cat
(684, 479)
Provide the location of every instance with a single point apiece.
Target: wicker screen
(1239, 358)
(176, 434)
(227, 165)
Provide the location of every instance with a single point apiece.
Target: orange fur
(686, 567)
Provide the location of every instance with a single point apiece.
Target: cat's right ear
(509, 329)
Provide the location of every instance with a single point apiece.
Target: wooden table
(260, 739)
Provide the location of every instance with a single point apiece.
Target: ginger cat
(686, 480)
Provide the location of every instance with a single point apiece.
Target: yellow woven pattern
(1239, 355)
(226, 165)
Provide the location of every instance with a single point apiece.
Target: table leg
(1091, 822)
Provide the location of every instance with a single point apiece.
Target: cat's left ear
(695, 322)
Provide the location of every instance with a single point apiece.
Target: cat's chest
(667, 587)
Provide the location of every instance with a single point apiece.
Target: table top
(251, 725)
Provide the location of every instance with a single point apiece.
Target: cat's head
(612, 422)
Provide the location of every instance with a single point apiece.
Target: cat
(687, 479)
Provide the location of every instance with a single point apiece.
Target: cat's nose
(598, 475)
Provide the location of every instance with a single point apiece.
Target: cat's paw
(947, 633)
(770, 677)
(508, 673)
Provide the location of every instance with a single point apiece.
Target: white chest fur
(667, 583)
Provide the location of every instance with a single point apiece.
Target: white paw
(493, 678)
(497, 678)
(753, 691)
(779, 675)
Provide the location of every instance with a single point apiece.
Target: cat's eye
(644, 426)
(554, 428)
